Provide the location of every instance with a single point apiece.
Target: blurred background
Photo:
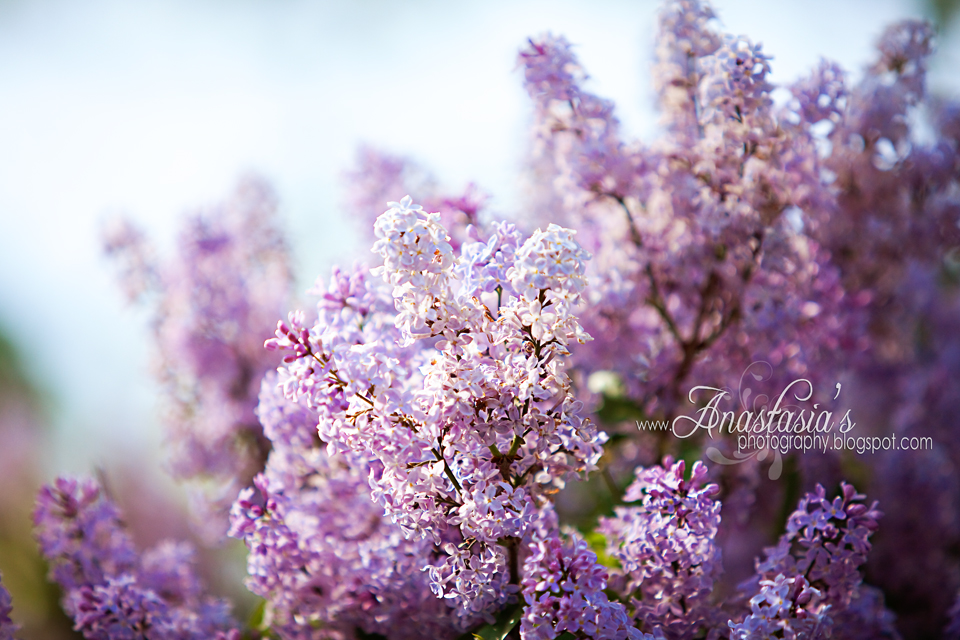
(155, 108)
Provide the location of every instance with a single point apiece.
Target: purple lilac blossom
(109, 590)
(819, 235)
(321, 552)
(700, 271)
(379, 177)
(563, 587)
(459, 397)
(891, 228)
(666, 550)
(811, 581)
(7, 626)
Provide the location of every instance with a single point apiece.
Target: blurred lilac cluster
(400, 459)
(213, 306)
(111, 590)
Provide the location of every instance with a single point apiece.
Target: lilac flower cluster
(890, 224)
(563, 586)
(666, 549)
(817, 234)
(7, 627)
(379, 177)
(464, 408)
(109, 590)
(703, 271)
(214, 306)
(322, 553)
(808, 582)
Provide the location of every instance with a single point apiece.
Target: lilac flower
(811, 579)
(81, 534)
(666, 549)
(734, 84)
(465, 410)
(700, 271)
(483, 265)
(379, 177)
(108, 590)
(891, 231)
(7, 626)
(684, 37)
(320, 550)
(822, 95)
(563, 586)
(781, 609)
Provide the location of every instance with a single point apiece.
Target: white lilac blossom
(109, 589)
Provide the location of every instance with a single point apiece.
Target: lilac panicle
(563, 587)
(817, 235)
(457, 394)
(811, 580)
(666, 549)
(214, 305)
(701, 270)
(109, 590)
(81, 534)
(7, 626)
(121, 610)
(891, 229)
(685, 35)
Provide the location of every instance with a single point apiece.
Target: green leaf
(256, 616)
(614, 410)
(504, 624)
(598, 543)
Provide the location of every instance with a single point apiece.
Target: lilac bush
(401, 459)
